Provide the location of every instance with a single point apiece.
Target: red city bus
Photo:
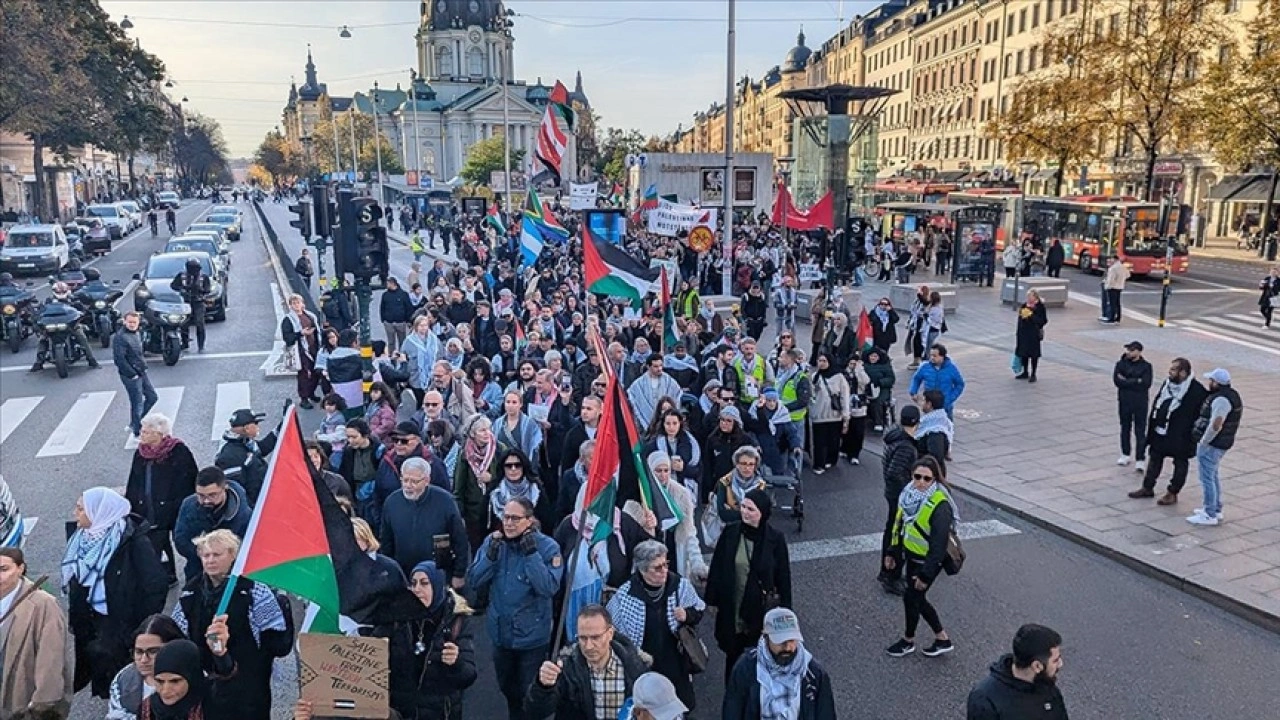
(1011, 199)
(913, 191)
(1095, 227)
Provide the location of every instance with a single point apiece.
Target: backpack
(954, 561)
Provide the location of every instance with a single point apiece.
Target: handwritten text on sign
(345, 676)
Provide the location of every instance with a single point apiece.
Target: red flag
(818, 216)
(865, 335)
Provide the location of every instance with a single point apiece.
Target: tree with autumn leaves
(1241, 102)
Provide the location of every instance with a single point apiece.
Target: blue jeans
(1207, 459)
(142, 397)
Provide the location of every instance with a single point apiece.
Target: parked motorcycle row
(83, 306)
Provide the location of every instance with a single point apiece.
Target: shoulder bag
(692, 650)
(955, 558)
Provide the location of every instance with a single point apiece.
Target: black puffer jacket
(422, 686)
(173, 479)
(900, 453)
(1001, 696)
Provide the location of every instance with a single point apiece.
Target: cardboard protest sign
(345, 676)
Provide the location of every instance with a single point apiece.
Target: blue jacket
(523, 586)
(194, 521)
(945, 379)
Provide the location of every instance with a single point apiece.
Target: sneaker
(893, 586)
(819, 470)
(1140, 466)
(1124, 460)
(855, 461)
(1142, 493)
(878, 428)
(902, 648)
(1203, 518)
(939, 647)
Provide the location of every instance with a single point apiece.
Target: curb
(1257, 616)
(1229, 254)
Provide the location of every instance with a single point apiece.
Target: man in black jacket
(336, 308)
(781, 655)
(243, 455)
(126, 352)
(194, 286)
(565, 687)
(421, 522)
(1173, 416)
(395, 308)
(1023, 684)
(1132, 377)
(900, 453)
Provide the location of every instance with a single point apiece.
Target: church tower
(464, 41)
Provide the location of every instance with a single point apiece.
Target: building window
(1035, 16)
(973, 68)
(1018, 71)
(1075, 6)
(1032, 56)
(1097, 29)
(1193, 67)
(1008, 25)
(444, 61)
(1232, 6)
(964, 35)
(1113, 25)
(1022, 20)
(1048, 12)
(1224, 54)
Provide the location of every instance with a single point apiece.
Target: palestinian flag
(551, 144)
(865, 336)
(301, 541)
(519, 337)
(669, 338)
(559, 99)
(611, 272)
(494, 218)
(617, 195)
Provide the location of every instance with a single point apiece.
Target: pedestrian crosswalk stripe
(1251, 327)
(1255, 340)
(870, 542)
(72, 434)
(14, 411)
(231, 397)
(167, 401)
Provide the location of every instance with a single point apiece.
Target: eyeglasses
(425, 582)
(514, 518)
(402, 440)
(512, 465)
(921, 476)
(660, 566)
(431, 404)
(150, 652)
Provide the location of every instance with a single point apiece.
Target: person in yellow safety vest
(416, 247)
(688, 303)
(753, 372)
(921, 534)
(795, 390)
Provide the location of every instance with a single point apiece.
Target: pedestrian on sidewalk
(1215, 434)
(303, 267)
(1112, 287)
(1032, 318)
(1012, 259)
(779, 678)
(926, 515)
(916, 323)
(1132, 378)
(300, 332)
(126, 353)
(1055, 258)
(938, 374)
(1270, 299)
(1169, 431)
(1024, 683)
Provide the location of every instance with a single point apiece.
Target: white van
(35, 250)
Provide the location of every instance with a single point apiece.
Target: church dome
(420, 94)
(538, 94)
(446, 14)
(797, 57)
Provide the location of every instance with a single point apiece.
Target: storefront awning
(949, 176)
(1230, 186)
(1256, 191)
(886, 173)
(1045, 174)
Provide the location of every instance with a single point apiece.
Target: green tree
(1054, 113)
(278, 159)
(200, 152)
(1242, 100)
(485, 157)
(322, 143)
(611, 162)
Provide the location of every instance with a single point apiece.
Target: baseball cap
(245, 416)
(405, 428)
(1219, 375)
(910, 415)
(781, 625)
(655, 693)
(1135, 345)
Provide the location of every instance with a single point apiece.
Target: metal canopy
(862, 101)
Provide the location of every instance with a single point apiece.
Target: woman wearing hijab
(136, 682)
(113, 579)
(921, 533)
(750, 575)
(1032, 317)
(828, 412)
(681, 539)
(181, 688)
(475, 476)
(432, 657)
(723, 442)
(163, 474)
(651, 607)
(300, 331)
(839, 341)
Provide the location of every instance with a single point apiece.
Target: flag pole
(568, 583)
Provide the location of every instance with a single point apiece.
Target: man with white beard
(421, 522)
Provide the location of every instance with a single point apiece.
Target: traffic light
(303, 221)
(323, 219)
(371, 252)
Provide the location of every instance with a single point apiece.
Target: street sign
(701, 238)
(426, 183)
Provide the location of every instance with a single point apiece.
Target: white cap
(1219, 375)
(655, 693)
(781, 625)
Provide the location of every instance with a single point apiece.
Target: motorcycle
(58, 345)
(100, 302)
(162, 329)
(15, 310)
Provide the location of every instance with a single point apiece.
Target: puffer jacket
(900, 453)
(881, 374)
(422, 686)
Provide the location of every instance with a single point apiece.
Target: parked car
(35, 250)
(162, 268)
(115, 218)
(167, 199)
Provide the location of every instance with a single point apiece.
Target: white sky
(645, 65)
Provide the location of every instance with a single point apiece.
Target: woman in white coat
(682, 538)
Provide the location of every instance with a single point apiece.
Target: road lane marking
(167, 402)
(1251, 327)
(14, 411)
(1088, 299)
(1194, 326)
(870, 542)
(231, 397)
(73, 433)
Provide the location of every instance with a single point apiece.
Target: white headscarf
(90, 549)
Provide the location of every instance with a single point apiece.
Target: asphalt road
(1135, 648)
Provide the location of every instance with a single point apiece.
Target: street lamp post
(377, 141)
(726, 276)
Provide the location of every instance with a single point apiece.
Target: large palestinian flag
(300, 541)
(610, 271)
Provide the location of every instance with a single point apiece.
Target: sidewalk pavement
(1047, 451)
(1225, 249)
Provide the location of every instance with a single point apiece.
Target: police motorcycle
(98, 299)
(57, 323)
(163, 318)
(16, 305)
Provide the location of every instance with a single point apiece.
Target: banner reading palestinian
(582, 196)
(669, 218)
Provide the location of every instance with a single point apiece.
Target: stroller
(786, 489)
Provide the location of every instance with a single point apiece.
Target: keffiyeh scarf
(780, 685)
